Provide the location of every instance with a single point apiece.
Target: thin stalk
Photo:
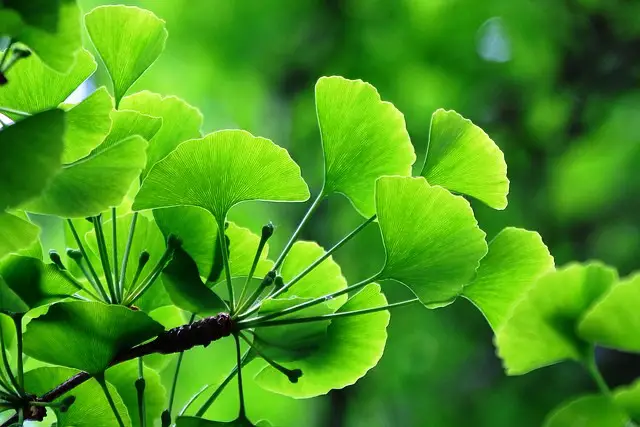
(151, 277)
(96, 279)
(73, 282)
(174, 383)
(104, 297)
(12, 111)
(267, 231)
(114, 245)
(292, 374)
(140, 386)
(227, 268)
(193, 399)
(17, 321)
(5, 54)
(20, 416)
(104, 257)
(107, 394)
(296, 233)
(253, 298)
(5, 362)
(316, 301)
(127, 251)
(592, 368)
(280, 322)
(206, 405)
(326, 255)
(242, 413)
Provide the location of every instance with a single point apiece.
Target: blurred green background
(553, 82)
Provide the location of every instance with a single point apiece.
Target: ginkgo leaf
(432, 240)
(462, 158)
(516, 259)
(628, 398)
(353, 345)
(128, 39)
(90, 408)
(184, 178)
(588, 411)
(93, 184)
(16, 233)
(26, 283)
(613, 320)
(363, 138)
(180, 121)
(127, 123)
(53, 30)
(123, 377)
(30, 155)
(542, 328)
(88, 123)
(35, 87)
(87, 335)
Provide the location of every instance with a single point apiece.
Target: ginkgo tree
(116, 208)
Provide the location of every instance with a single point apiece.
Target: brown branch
(202, 332)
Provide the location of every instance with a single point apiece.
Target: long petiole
(114, 245)
(174, 383)
(591, 367)
(242, 413)
(267, 231)
(257, 324)
(206, 405)
(127, 252)
(72, 280)
(140, 385)
(326, 255)
(317, 301)
(292, 374)
(151, 277)
(104, 257)
(296, 233)
(192, 399)
(96, 279)
(107, 394)
(5, 362)
(17, 321)
(227, 268)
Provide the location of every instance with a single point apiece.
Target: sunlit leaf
(15, 233)
(53, 30)
(93, 184)
(127, 123)
(27, 283)
(87, 335)
(90, 408)
(431, 237)
(462, 158)
(516, 259)
(588, 411)
(264, 171)
(628, 399)
(363, 138)
(542, 328)
(123, 377)
(180, 121)
(35, 87)
(30, 155)
(201, 422)
(353, 345)
(128, 39)
(88, 123)
(612, 321)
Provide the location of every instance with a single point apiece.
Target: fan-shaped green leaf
(53, 30)
(88, 123)
(613, 321)
(15, 233)
(180, 121)
(516, 259)
(201, 422)
(87, 335)
(431, 237)
(94, 183)
(30, 154)
(35, 87)
(123, 377)
(588, 411)
(264, 171)
(90, 408)
(353, 345)
(628, 398)
(26, 283)
(127, 123)
(363, 138)
(128, 39)
(542, 328)
(462, 158)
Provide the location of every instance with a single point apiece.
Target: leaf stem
(227, 268)
(104, 257)
(256, 324)
(17, 321)
(12, 111)
(107, 394)
(5, 362)
(127, 251)
(267, 231)
(242, 413)
(76, 284)
(174, 383)
(153, 275)
(592, 367)
(96, 279)
(292, 374)
(114, 245)
(296, 233)
(140, 385)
